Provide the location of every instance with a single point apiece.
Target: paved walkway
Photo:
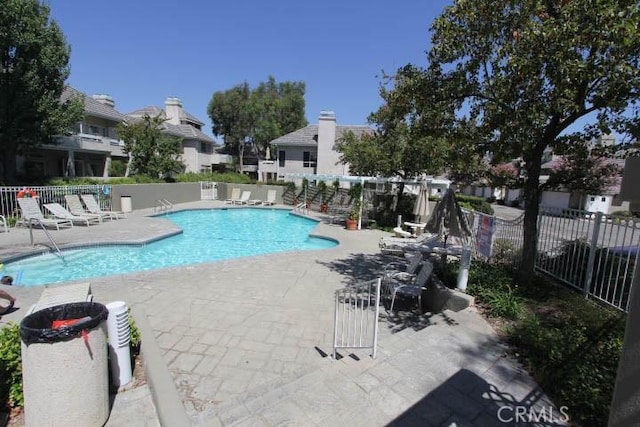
(245, 341)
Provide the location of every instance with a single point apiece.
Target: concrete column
(107, 166)
(71, 164)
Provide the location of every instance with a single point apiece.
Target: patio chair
(60, 212)
(271, 198)
(235, 196)
(74, 205)
(405, 271)
(244, 198)
(392, 287)
(31, 214)
(92, 206)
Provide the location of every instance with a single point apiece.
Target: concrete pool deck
(245, 340)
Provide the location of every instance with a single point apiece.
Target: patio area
(246, 340)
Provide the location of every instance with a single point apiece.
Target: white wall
(598, 203)
(555, 199)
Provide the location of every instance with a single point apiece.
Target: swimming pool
(208, 235)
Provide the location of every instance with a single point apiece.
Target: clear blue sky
(141, 52)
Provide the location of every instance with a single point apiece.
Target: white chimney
(173, 109)
(105, 99)
(327, 156)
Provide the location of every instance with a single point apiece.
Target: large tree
(393, 148)
(257, 116)
(151, 151)
(33, 68)
(527, 74)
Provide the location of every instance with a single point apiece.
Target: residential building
(309, 150)
(199, 151)
(88, 149)
(85, 150)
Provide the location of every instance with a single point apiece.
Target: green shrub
(230, 177)
(474, 203)
(11, 366)
(135, 337)
(570, 345)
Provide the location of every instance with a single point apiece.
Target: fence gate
(356, 317)
(208, 190)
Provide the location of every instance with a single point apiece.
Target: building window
(94, 130)
(308, 159)
(281, 158)
(203, 147)
(604, 199)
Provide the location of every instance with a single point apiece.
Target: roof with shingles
(308, 135)
(93, 107)
(182, 131)
(152, 110)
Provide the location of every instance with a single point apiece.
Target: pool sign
(484, 235)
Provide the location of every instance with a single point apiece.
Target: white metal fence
(356, 317)
(591, 252)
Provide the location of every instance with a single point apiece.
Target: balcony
(249, 168)
(87, 142)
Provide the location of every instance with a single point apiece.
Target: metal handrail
(46, 232)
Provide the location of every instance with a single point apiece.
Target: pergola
(354, 179)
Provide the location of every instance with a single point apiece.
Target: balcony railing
(84, 141)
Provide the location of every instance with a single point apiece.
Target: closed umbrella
(448, 220)
(421, 208)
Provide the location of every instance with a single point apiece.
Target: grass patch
(569, 344)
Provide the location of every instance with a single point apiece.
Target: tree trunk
(532, 201)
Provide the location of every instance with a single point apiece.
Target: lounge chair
(92, 206)
(271, 198)
(74, 205)
(393, 287)
(31, 214)
(235, 196)
(3, 223)
(404, 270)
(244, 198)
(60, 212)
(410, 243)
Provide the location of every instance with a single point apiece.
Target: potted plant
(354, 216)
(322, 189)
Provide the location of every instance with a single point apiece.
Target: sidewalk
(244, 342)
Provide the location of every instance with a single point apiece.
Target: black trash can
(65, 365)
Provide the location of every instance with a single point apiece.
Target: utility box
(65, 372)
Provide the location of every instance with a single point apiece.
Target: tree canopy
(242, 115)
(33, 68)
(151, 151)
(523, 75)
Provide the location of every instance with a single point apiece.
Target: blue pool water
(208, 235)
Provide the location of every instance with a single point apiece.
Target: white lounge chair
(271, 198)
(235, 196)
(92, 206)
(60, 212)
(244, 198)
(31, 214)
(74, 205)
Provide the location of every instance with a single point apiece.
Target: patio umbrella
(448, 220)
(421, 208)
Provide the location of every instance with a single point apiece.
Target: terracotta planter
(352, 224)
(324, 208)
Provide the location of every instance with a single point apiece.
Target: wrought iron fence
(48, 194)
(594, 253)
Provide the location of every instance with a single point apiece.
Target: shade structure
(421, 208)
(448, 220)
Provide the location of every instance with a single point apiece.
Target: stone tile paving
(241, 340)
